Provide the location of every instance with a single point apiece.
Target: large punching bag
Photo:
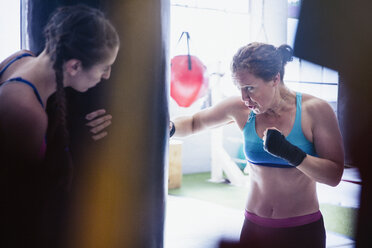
(118, 199)
(338, 34)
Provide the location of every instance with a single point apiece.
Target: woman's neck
(44, 78)
(284, 100)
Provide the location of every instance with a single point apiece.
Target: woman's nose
(245, 95)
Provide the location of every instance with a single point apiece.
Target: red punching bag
(189, 79)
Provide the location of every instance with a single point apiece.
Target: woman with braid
(36, 168)
(291, 141)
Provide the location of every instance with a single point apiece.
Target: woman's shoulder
(19, 99)
(232, 105)
(13, 56)
(316, 106)
(236, 109)
(226, 110)
(22, 119)
(232, 102)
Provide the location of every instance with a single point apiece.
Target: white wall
(9, 27)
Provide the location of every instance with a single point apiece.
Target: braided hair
(262, 60)
(73, 32)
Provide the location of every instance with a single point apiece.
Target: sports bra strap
(14, 60)
(19, 79)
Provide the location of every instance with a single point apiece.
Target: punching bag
(188, 83)
(338, 34)
(119, 195)
(189, 79)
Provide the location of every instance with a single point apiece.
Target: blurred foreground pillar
(338, 34)
(120, 188)
(122, 198)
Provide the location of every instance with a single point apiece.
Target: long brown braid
(73, 32)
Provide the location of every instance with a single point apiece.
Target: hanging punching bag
(187, 85)
(189, 79)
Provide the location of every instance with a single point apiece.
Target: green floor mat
(198, 187)
(337, 219)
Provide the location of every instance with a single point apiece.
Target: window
(307, 77)
(219, 27)
(10, 41)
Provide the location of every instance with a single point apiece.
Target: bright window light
(9, 27)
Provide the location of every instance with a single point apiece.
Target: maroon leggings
(310, 235)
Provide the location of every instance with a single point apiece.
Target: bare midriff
(280, 193)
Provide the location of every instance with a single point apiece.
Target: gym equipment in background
(189, 78)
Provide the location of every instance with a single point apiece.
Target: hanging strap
(262, 28)
(188, 48)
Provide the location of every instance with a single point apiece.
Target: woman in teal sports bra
(291, 140)
(36, 167)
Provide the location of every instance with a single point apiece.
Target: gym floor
(200, 214)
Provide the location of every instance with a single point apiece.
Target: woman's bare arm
(225, 112)
(328, 167)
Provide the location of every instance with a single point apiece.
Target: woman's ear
(276, 79)
(73, 66)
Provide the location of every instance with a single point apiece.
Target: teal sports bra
(253, 145)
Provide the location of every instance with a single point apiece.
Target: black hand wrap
(172, 129)
(277, 145)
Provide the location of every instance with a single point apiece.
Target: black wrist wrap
(277, 145)
(172, 130)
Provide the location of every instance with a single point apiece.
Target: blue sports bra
(253, 145)
(19, 79)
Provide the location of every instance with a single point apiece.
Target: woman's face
(257, 94)
(88, 78)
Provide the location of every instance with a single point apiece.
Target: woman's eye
(247, 88)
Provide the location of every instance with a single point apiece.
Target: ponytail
(286, 53)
